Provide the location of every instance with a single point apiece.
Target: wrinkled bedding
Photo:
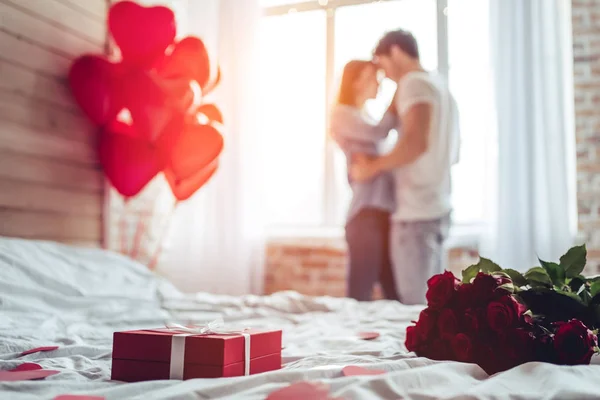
(76, 298)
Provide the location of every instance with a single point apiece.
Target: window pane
(471, 83)
(468, 33)
(357, 30)
(292, 116)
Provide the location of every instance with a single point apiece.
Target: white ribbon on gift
(215, 327)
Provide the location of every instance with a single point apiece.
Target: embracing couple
(399, 216)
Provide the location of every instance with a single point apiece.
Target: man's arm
(348, 124)
(414, 103)
(412, 143)
(416, 124)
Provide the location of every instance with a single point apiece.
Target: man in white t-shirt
(421, 161)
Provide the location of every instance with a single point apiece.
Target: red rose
(574, 343)
(544, 348)
(486, 358)
(427, 322)
(519, 347)
(473, 320)
(441, 289)
(466, 297)
(462, 347)
(437, 349)
(504, 313)
(412, 338)
(447, 323)
(485, 286)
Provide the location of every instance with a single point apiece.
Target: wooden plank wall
(51, 186)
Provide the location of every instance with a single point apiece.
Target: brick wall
(586, 51)
(317, 267)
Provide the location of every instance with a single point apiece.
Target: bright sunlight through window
(303, 50)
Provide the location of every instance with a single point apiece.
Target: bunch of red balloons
(149, 104)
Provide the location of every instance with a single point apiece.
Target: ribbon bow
(215, 327)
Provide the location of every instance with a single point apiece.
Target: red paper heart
(77, 397)
(198, 146)
(38, 349)
(129, 162)
(27, 367)
(10, 376)
(356, 371)
(142, 33)
(302, 391)
(189, 60)
(183, 189)
(368, 335)
(92, 79)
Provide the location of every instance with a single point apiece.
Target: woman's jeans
(368, 237)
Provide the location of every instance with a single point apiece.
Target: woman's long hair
(351, 73)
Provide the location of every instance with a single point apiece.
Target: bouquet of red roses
(499, 318)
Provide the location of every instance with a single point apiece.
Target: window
(304, 46)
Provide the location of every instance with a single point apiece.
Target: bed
(75, 298)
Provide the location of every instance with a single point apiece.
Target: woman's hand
(362, 168)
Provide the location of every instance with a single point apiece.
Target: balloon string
(139, 235)
(168, 218)
(123, 228)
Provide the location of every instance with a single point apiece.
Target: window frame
(461, 234)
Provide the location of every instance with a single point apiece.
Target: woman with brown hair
(368, 220)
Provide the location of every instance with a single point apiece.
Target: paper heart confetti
(352, 370)
(11, 376)
(27, 367)
(368, 335)
(39, 349)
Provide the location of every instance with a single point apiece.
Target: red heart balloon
(142, 33)
(91, 79)
(189, 59)
(129, 162)
(183, 189)
(153, 101)
(198, 146)
(211, 112)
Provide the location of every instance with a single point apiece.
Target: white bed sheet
(76, 298)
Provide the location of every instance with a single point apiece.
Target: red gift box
(144, 355)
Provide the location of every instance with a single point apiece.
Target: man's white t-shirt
(423, 188)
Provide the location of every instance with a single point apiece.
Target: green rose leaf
(470, 273)
(596, 315)
(571, 295)
(595, 288)
(555, 271)
(537, 276)
(488, 266)
(509, 287)
(517, 278)
(585, 296)
(573, 262)
(576, 283)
